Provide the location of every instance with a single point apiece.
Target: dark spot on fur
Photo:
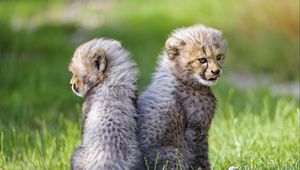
(203, 49)
(182, 43)
(217, 45)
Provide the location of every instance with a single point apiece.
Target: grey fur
(176, 110)
(109, 140)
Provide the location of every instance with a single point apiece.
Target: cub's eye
(202, 60)
(219, 57)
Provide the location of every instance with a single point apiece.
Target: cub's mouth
(74, 88)
(212, 79)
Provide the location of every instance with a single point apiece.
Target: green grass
(40, 117)
(250, 138)
(265, 137)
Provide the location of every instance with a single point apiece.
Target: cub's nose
(216, 72)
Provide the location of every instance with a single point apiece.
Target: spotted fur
(176, 110)
(105, 76)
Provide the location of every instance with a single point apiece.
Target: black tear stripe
(219, 65)
(203, 73)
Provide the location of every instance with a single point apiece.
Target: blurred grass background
(40, 117)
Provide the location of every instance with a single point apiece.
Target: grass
(265, 137)
(40, 117)
(249, 138)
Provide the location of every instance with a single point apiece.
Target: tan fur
(176, 110)
(186, 46)
(84, 73)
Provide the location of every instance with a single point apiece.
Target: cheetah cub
(105, 76)
(176, 110)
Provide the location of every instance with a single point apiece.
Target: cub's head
(196, 54)
(88, 65)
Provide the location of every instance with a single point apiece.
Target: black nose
(216, 72)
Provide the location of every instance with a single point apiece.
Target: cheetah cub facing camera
(176, 110)
(105, 76)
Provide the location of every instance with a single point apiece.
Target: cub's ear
(117, 43)
(173, 47)
(99, 60)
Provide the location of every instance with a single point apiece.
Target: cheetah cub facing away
(105, 76)
(176, 110)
